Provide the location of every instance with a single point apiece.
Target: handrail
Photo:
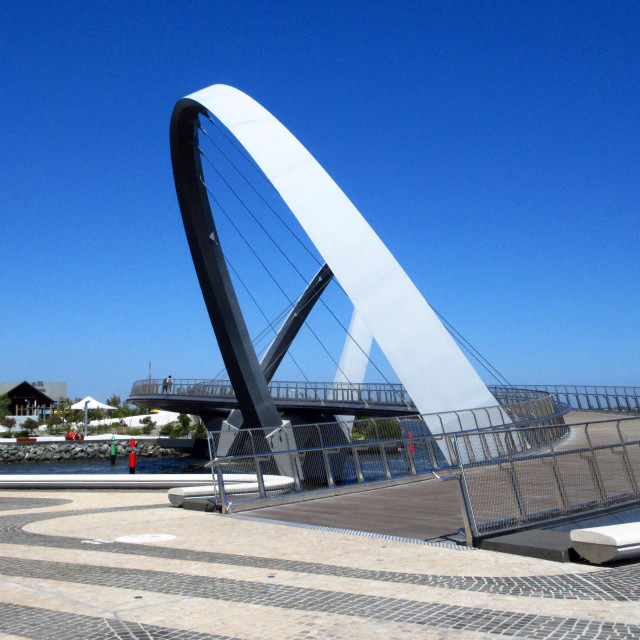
(323, 393)
(589, 397)
(367, 393)
(624, 399)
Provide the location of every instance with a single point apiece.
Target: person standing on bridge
(169, 384)
(165, 385)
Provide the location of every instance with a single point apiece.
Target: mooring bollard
(113, 449)
(132, 457)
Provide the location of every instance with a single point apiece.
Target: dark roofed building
(29, 400)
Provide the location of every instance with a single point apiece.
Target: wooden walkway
(423, 510)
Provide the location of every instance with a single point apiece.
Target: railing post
(409, 455)
(486, 450)
(253, 447)
(356, 464)
(293, 459)
(385, 462)
(595, 477)
(454, 451)
(515, 487)
(431, 455)
(327, 468)
(260, 479)
(627, 463)
(560, 490)
(468, 516)
(319, 434)
(221, 490)
(465, 510)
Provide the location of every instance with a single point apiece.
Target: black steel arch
(238, 354)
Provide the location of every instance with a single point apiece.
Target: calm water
(103, 465)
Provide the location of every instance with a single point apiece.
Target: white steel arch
(353, 361)
(433, 369)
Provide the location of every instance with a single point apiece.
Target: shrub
(30, 425)
(166, 430)
(8, 422)
(184, 426)
(55, 424)
(201, 430)
(380, 429)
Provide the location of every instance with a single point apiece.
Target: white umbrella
(90, 403)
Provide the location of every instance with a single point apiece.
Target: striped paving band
(399, 610)
(32, 622)
(619, 584)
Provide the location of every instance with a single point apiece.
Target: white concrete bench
(604, 544)
(234, 484)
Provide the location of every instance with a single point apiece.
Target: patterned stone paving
(411, 614)
(621, 583)
(7, 504)
(44, 624)
(334, 602)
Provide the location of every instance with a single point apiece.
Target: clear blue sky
(494, 147)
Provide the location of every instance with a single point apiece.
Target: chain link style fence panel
(563, 471)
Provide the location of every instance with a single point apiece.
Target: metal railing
(333, 469)
(602, 398)
(589, 397)
(541, 410)
(514, 404)
(314, 392)
(561, 472)
(510, 478)
(322, 457)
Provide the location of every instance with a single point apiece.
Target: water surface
(103, 465)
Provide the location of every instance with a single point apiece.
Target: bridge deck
(423, 510)
(182, 403)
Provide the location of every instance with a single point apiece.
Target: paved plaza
(188, 575)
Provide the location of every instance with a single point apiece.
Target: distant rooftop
(54, 390)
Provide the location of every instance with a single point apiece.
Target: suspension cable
(286, 257)
(241, 174)
(472, 350)
(263, 314)
(264, 266)
(450, 328)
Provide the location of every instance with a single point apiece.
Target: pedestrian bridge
(199, 397)
(194, 396)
